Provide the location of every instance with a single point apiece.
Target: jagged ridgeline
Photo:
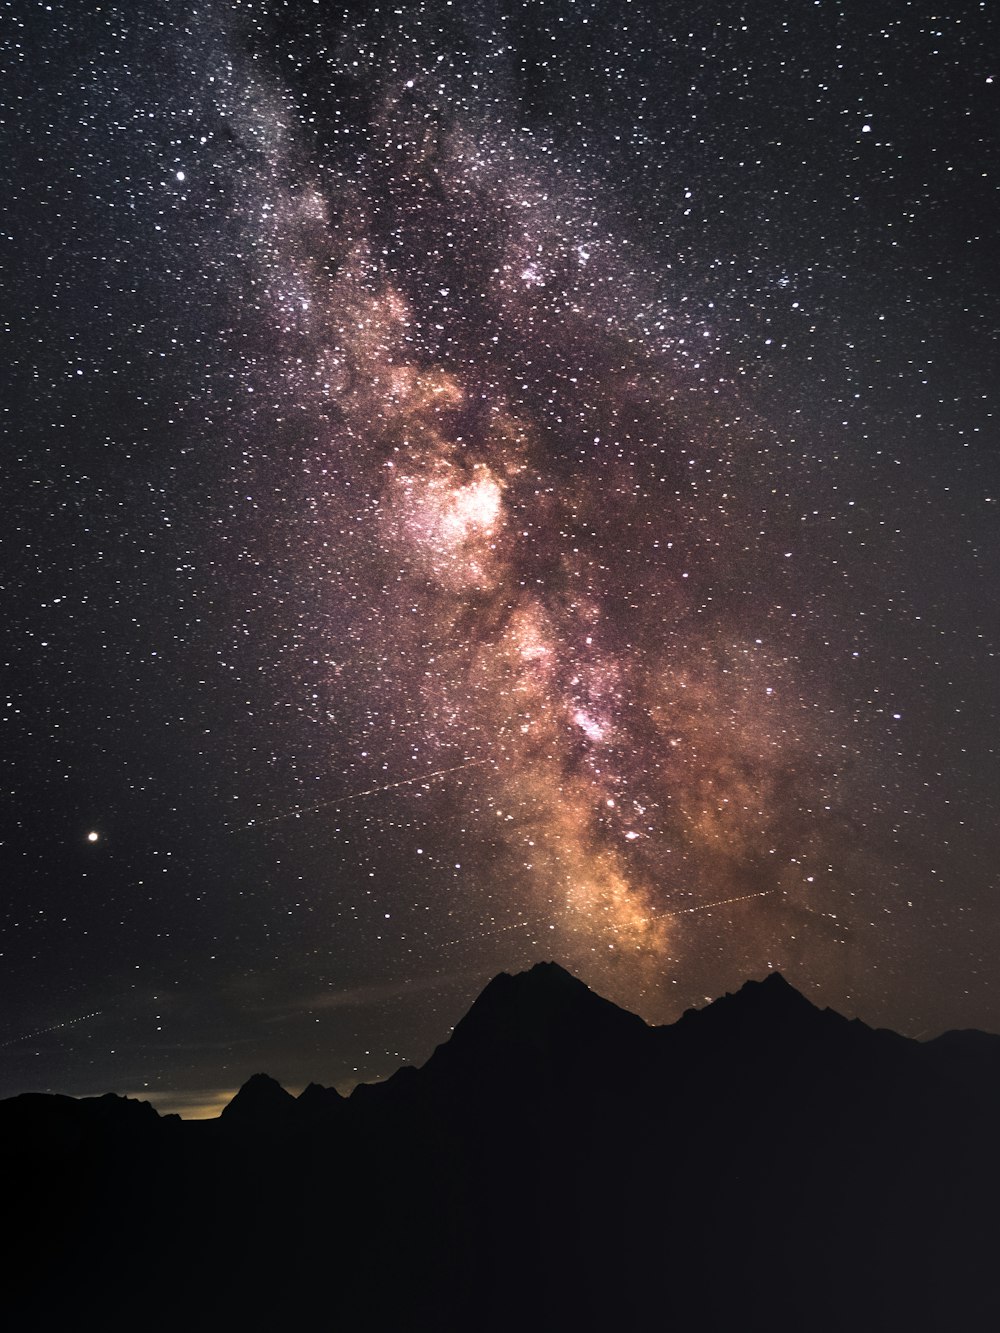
(556, 1164)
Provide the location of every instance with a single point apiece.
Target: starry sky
(483, 483)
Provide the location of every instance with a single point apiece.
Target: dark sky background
(489, 482)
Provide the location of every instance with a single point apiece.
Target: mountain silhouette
(555, 1164)
(542, 1030)
(546, 1014)
(317, 1102)
(260, 1102)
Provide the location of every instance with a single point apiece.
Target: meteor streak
(368, 791)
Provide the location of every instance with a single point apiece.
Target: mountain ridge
(555, 1164)
(536, 1009)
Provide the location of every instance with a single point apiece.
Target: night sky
(490, 482)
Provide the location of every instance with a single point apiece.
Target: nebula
(545, 522)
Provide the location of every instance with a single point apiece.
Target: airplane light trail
(360, 795)
(655, 916)
(55, 1027)
(704, 907)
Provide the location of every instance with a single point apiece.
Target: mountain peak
(318, 1103)
(522, 1026)
(548, 967)
(776, 980)
(772, 994)
(768, 1010)
(315, 1092)
(543, 978)
(773, 988)
(261, 1099)
(538, 995)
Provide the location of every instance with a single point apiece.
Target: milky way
(492, 483)
(544, 523)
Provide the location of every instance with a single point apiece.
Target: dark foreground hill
(557, 1164)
